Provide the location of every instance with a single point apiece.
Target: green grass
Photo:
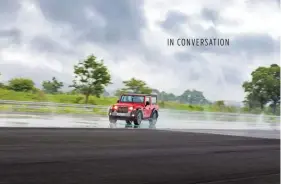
(187, 107)
(58, 98)
(178, 106)
(57, 110)
(80, 99)
(40, 96)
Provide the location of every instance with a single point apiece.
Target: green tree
(52, 86)
(192, 97)
(274, 86)
(155, 91)
(2, 86)
(219, 103)
(91, 77)
(21, 84)
(264, 87)
(167, 96)
(136, 86)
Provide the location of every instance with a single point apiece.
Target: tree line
(91, 76)
(263, 89)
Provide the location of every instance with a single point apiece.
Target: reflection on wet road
(256, 129)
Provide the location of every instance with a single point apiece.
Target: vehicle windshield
(131, 98)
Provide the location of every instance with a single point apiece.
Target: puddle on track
(265, 130)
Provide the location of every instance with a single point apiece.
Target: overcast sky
(44, 38)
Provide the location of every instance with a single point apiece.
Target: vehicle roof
(137, 94)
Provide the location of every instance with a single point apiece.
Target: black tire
(138, 119)
(153, 118)
(112, 120)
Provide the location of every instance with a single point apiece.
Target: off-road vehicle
(135, 108)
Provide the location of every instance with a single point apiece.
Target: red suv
(135, 108)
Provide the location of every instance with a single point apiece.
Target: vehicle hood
(128, 104)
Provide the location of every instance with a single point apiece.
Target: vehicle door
(147, 108)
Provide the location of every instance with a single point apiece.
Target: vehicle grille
(122, 109)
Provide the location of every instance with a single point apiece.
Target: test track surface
(134, 156)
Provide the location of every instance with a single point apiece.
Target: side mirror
(117, 101)
(147, 103)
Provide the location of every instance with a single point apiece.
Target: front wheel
(138, 119)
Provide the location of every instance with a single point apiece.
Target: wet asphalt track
(97, 156)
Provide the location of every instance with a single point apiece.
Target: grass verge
(56, 110)
(80, 99)
(40, 96)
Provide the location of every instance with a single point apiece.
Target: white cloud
(170, 75)
(253, 18)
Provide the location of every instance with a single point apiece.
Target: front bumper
(122, 116)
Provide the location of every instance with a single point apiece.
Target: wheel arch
(154, 110)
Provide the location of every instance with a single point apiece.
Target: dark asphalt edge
(239, 179)
(200, 131)
(130, 130)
